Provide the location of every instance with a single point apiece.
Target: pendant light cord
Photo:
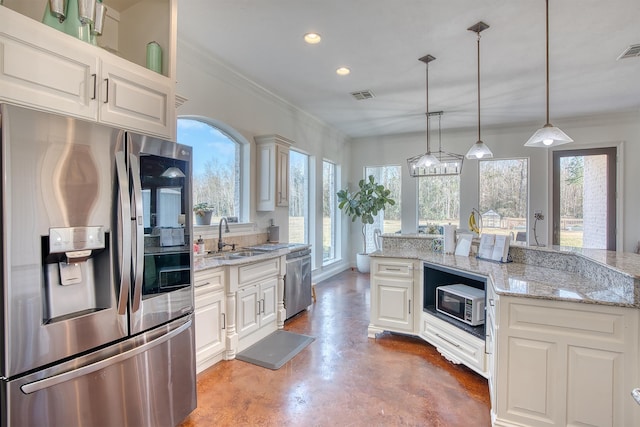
(547, 52)
(427, 114)
(479, 139)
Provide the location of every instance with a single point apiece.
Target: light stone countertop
(205, 262)
(571, 281)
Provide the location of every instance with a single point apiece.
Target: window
(298, 197)
(389, 220)
(329, 210)
(438, 202)
(504, 189)
(216, 167)
(584, 201)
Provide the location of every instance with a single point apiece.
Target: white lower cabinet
(256, 290)
(562, 363)
(210, 317)
(256, 306)
(393, 295)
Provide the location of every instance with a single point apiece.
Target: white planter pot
(204, 219)
(363, 262)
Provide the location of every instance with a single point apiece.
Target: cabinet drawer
(558, 318)
(454, 344)
(393, 268)
(259, 270)
(213, 279)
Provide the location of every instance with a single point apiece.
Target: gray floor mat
(275, 350)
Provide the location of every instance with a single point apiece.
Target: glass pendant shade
(548, 136)
(479, 150)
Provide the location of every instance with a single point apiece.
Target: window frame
(242, 163)
(528, 190)
(370, 243)
(333, 203)
(307, 186)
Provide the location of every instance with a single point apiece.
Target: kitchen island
(560, 341)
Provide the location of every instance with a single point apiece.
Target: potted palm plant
(364, 204)
(203, 213)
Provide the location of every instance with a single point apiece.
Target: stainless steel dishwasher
(297, 282)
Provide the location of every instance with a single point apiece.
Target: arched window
(217, 167)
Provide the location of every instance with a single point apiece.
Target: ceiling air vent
(632, 51)
(362, 94)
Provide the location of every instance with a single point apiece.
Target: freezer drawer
(148, 380)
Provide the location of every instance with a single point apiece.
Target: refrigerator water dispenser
(73, 259)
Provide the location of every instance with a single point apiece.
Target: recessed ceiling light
(312, 38)
(343, 71)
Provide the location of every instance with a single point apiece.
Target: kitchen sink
(243, 253)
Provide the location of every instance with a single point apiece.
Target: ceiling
(381, 41)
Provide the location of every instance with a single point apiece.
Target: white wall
(508, 142)
(213, 90)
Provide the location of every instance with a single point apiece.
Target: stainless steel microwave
(461, 302)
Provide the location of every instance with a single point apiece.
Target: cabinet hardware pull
(224, 320)
(447, 340)
(205, 284)
(409, 306)
(106, 97)
(263, 304)
(393, 269)
(95, 80)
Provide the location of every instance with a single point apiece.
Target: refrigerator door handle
(85, 370)
(125, 242)
(137, 228)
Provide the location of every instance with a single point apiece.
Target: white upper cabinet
(47, 69)
(273, 171)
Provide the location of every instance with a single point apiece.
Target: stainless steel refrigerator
(97, 282)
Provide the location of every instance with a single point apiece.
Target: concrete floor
(344, 378)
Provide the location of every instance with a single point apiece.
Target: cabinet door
(249, 307)
(269, 298)
(392, 306)
(282, 176)
(45, 69)
(209, 326)
(139, 101)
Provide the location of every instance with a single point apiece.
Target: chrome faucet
(221, 244)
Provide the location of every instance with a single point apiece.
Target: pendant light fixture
(435, 163)
(479, 150)
(548, 135)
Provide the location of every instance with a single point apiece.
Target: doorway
(584, 198)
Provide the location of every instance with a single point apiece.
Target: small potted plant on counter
(203, 213)
(364, 204)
